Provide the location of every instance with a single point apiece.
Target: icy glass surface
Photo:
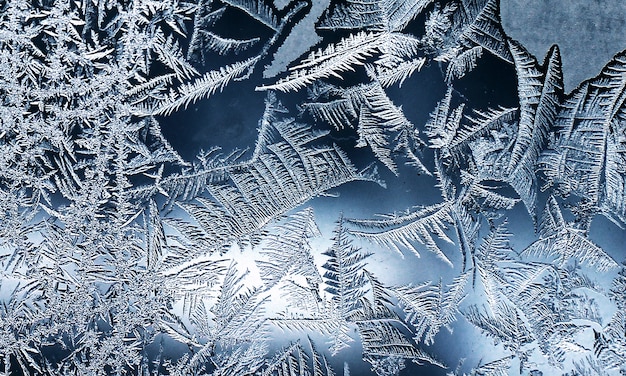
(258, 187)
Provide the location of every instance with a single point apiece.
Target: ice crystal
(119, 255)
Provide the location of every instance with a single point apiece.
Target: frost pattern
(119, 256)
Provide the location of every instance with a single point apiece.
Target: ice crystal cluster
(120, 256)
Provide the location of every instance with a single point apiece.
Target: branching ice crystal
(119, 256)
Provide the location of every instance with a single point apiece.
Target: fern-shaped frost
(402, 230)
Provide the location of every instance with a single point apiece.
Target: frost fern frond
(336, 58)
(203, 87)
(402, 230)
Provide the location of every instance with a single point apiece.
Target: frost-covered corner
(119, 256)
